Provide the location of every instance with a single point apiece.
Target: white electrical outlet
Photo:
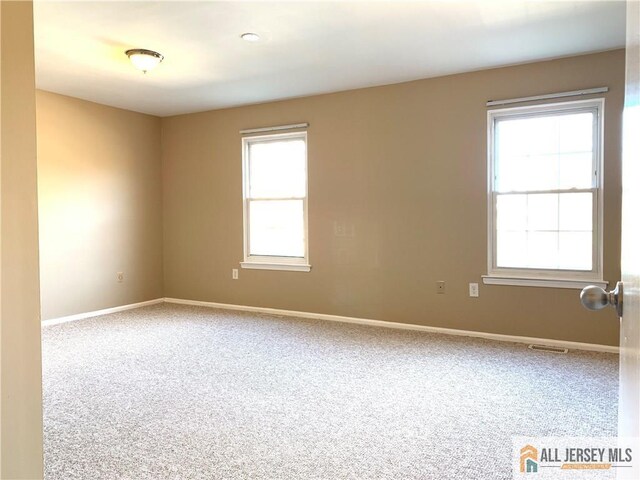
(473, 290)
(440, 286)
(120, 277)
(234, 273)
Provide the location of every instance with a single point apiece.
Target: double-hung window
(275, 201)
(545, 194)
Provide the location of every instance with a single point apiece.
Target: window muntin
(275, 200)
(545, 191)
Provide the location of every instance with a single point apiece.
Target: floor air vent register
(547, 348)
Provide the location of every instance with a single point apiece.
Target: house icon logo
(529, 459)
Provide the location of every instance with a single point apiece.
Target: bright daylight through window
(546, 191)
(275, 201)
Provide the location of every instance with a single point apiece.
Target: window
(545, 185)
(275, 201)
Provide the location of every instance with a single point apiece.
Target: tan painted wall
(99, 180)
(405, 166)
(21, 384)
(0, 241)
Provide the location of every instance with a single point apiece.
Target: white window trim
(547, 277)
(267, 262)
(542, 282)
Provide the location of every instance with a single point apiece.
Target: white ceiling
(307, 47)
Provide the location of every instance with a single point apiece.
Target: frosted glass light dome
(143, 59)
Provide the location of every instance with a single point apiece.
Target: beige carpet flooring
(178, 392)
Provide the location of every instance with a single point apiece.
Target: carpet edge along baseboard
(338, 318)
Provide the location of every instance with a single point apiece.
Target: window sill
(293, 267)
(577, 284)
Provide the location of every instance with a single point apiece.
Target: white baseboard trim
(97, 313)
(404, 326)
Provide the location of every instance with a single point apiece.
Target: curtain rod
(274, 129)
(573, 93)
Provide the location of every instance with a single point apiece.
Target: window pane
(544, 152)
(512, 212)
(276, 228)
(576, 212)
(544, 230)
(528, 172)
(512, 249)
(575, 251)
(277, 169)
(532, 212)
(576, 133)
(542, 250)
(542, 212)
(576, 171)
(528, 136)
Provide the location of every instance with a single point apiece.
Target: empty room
(320, 240)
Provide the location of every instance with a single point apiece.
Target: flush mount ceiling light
(143, 59)
(250, 37)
